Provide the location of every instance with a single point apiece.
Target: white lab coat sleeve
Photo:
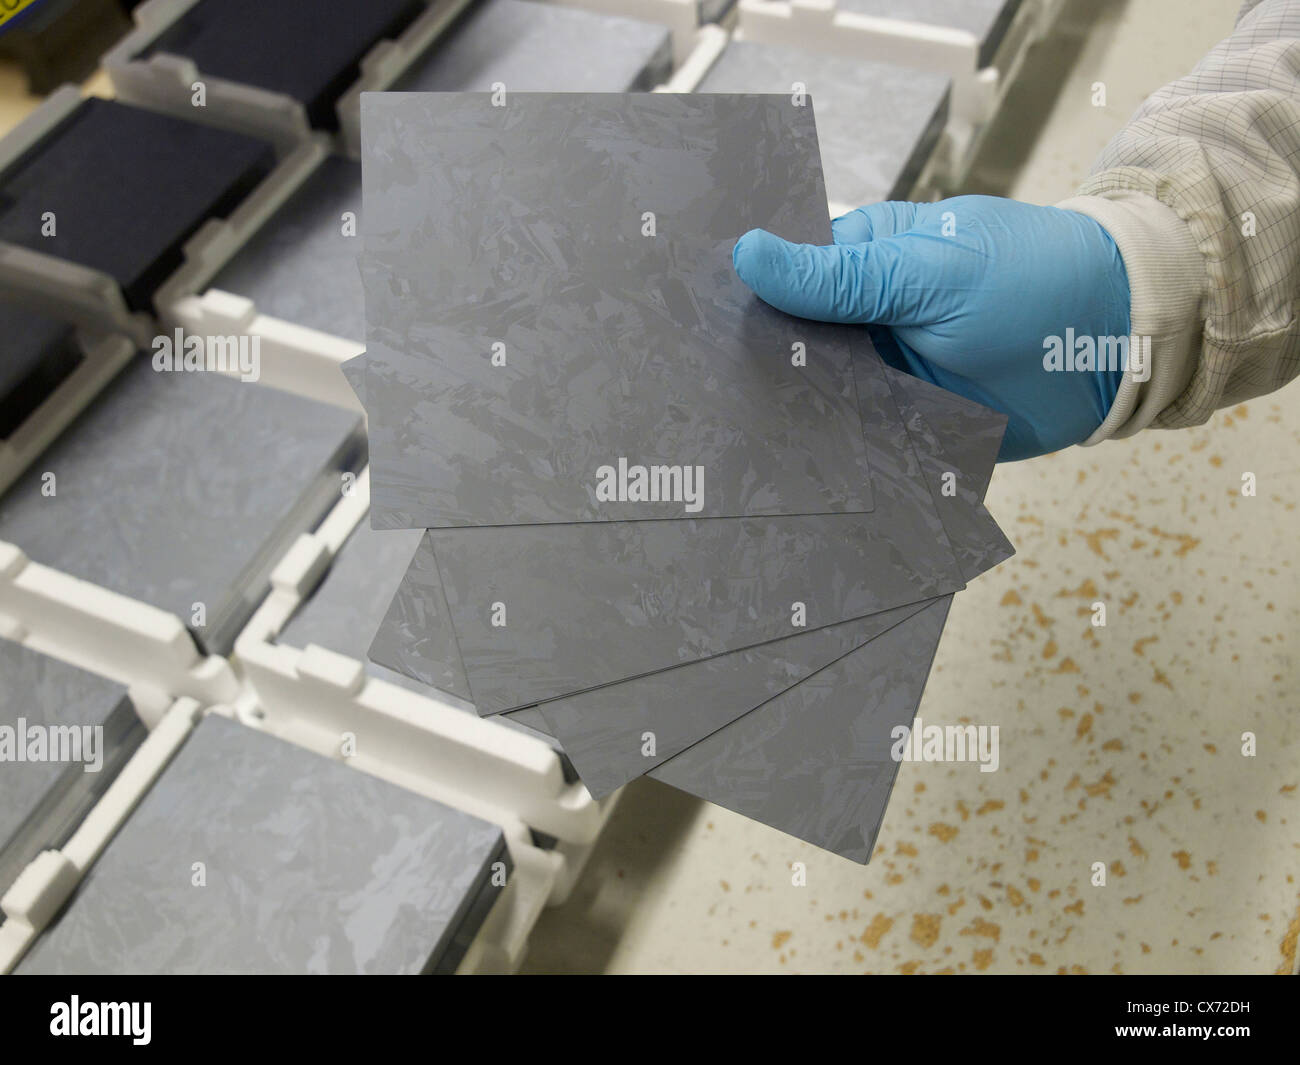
(1201, 193)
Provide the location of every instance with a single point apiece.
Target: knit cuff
(1167, 281)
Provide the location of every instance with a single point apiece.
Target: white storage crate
(166, 82)
(48, 882)
(147, 649)
(93, 299)
(105, 354)
(682, 17)
(50, 879)
(306, 360)
(978, 89)
(313, 696)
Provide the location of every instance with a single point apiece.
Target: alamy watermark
(946, 743)
(627, 483)
(76, 1018)
(22, 742)
(233, 355)
(1087, 354)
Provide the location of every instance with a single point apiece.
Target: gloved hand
(965, 293)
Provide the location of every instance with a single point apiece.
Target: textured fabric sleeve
(1201, 192)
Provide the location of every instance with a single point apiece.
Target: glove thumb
(851, 283)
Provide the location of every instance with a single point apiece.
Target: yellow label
(9, 8)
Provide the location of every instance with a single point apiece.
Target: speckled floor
(1120, 744)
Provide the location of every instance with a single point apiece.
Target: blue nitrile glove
(969, 291)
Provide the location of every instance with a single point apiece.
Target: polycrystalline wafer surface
(907, 109)
(957, 441)
(605, 731)
(532, 47)
(170, 485)
(343, 611)
(816, 761)
(986, 20)
(301, 266)
(43, 692)
(309, 867)
(681, 706)
(585, 241)
(587, 605)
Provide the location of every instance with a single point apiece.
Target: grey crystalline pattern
(416, 636)
(179, 488)
(977, 541)
(683, 705)
(344, 610)
(310, 867)
(987, 20)
(438, 661)
(532, 47)
(966, 433)
(877, 123)
(810, 762)
(604, 758)
(354, 593)
(815, 761)
(524, 225)
(302, 267)
(696, 698)
(591, 604)
(603, 731)
(760, 764)
(43, 692)
(414, 639)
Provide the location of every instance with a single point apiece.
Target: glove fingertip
(851, 228)
(756, 257)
